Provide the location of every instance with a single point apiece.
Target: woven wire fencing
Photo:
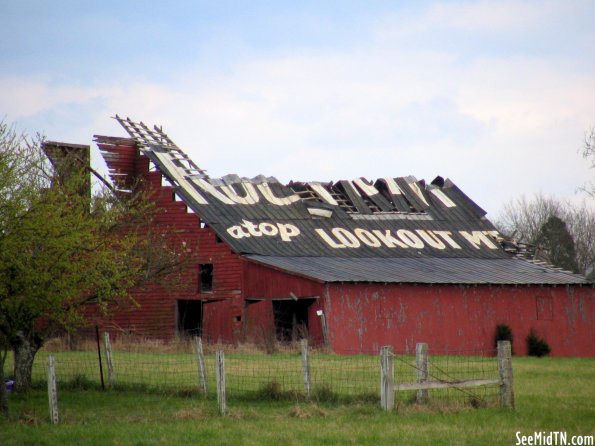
(256, 375)
(468, 378)
(332, 378)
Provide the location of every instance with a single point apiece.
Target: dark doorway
(291, 319)
(189, 317)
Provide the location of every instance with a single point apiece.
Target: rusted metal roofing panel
(427, 270)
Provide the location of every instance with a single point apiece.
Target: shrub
(270, 391)
(504, 333)
(80, 382)
(269, 339)
(324, 394)
(537, 346)
(273, 391)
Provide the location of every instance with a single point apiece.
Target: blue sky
(496, 95)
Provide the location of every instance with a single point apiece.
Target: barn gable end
(394, 261)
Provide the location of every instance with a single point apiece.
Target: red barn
(355, 264)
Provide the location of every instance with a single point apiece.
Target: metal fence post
(221, 397)
(505, 369)
(99, 356)
(421, 363)
(200, 359)
(306, 367)
(387, 382)
(52, 390)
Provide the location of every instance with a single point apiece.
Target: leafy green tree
(61, 249)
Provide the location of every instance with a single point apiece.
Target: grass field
(552, 394)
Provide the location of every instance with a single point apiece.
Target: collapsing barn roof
(398, 230)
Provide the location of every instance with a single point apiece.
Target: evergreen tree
(557, 243)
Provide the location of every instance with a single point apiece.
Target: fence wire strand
(257, 375)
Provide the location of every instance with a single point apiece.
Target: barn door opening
(291, 318)
(189, 317)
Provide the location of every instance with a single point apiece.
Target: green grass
(246, 374)
(551, 394)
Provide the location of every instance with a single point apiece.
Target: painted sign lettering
(248, 229)
(342, 238)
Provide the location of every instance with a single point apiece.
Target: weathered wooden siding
(261, 282)
(361, 317)
(364, 317)
(155, 316)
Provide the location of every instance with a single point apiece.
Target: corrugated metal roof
(421, 270)
(348, 218)
(391, 230)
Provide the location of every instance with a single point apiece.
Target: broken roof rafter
(147, 138)
(391, 230)
(358, 196)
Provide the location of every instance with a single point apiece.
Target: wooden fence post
(111, 373)
(505, 369)
(421, 363)
(200, 359)
(306, 367)
(221, 397)
(325, 335)
(52, 390)
(387, 382)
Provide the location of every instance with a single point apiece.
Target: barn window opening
(291, 318)
(189, 318)
(205, 271)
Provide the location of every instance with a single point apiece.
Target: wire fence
(255, 375)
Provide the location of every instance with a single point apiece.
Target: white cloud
(497, 125)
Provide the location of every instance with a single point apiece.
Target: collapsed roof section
(330, 231)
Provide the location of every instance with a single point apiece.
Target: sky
(495, 95)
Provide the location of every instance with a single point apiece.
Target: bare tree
(522, 220)
(588, 153)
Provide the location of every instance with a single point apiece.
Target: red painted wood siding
(155, 316)
(365, 317)
(361, 317)
(261, 282)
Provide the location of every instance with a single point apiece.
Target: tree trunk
(24, 354)
(3, 396)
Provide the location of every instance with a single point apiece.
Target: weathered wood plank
(221, 394)
(505, 369)
(306, 367)
(446, 384)
(200, 359)
(52, 390)
(387, 380)
(111, 372)
(421, 362)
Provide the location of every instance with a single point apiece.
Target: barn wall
(361, 317)
(364, 317)
(155, 316)
(260, 282)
